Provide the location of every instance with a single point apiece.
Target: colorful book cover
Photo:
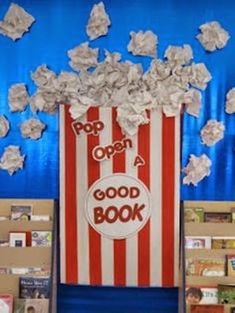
(206, 308)
(223, 242)
(31, 306)
(230, 265)
(21, 212)
(34, 288)
(196, 242)
(217, 217)
(6, 303)
(41, 238)
(201, 295)
(205, 267)
(193, 215)
(226, 294)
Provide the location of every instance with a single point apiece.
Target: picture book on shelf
(41, 238)
(195, 215)
(17, 239)
(230, 264)
(223, 242)
(197, 242)
(217, 217)
(31, 306)
(226, 294)
(34, 287)
(205, 267)
(6, 303)
(201, 295)
(206, 308)
(21, 212)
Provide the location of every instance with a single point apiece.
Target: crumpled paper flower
(212, 132)
(83, 57)
(43, 77)
(197, 169)
(179, 55)
(192, 101)
(230, 101)
(213, 36)
(12, 160)
(98, 22)
(4, 126)
(143, 43)
(16, 22)
(32, 128)
(199, 76)
(18, 97)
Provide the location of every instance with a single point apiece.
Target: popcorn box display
(119, 200)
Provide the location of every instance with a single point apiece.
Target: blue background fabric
(60, 25)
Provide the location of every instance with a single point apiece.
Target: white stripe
(106, 168)
(177, 198)
(82, 224)
(132, 242)
(156, 194)
(62, 197)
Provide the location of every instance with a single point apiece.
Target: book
(4, 270)
(21, 212)
(201, 295)
(44, 218)
(32, 271)
(226, 294)
(233, 214)
(206, 308)
(41, 238)
(4, 243)
(197, 242)
(6, 303)
(34, 287)
(17, 239)
(31, 306)
(230, 265)
(217, 217)
(28, 239)
(206, 267)
(223, 242)
(193, 215)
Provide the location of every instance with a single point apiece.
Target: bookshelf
(26, 257)
(209, 229)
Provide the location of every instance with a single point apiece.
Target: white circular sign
(118, 206)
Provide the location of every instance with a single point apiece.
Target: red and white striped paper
(148, 258)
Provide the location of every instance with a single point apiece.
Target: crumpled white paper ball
(18, 97)
(32, 128)
(98, 22)
(179, 55)
(212, 132)
(12, 160)
(143, 43)
(230, 101)
(197, 169)
(213, 36)
(4, 126)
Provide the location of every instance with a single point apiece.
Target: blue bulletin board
(60, 26)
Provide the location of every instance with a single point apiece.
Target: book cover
(206, 267)
(201, 295)
(217, 217)
(226, 294)
(17, 239)
(34, 288)
(193, 215)
(223, 242)
(230, 265)
(21, 212)
(6, 303)
(44, 218)
(206, 308)
(41, 238)
(197, 242)
(31, 306)
(233, 214)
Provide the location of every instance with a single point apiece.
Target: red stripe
(93, 175)
(71, 253)
(119, 245)
(144, 234)
(168, 203)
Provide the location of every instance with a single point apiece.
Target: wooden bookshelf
(209, 229)
(25, 257)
